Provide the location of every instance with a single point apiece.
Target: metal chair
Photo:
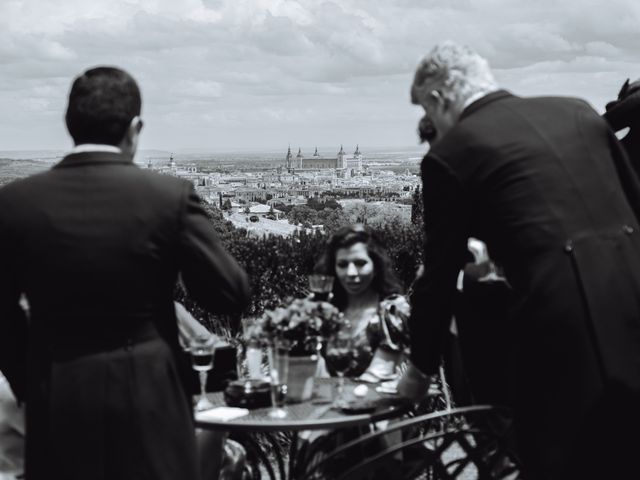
(469, 442)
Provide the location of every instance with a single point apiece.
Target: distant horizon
(306, 150)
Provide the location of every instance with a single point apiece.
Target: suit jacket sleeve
(211, 276)
(444, 255)
(626, 173)
(13, 321)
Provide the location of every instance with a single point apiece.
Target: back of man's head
(456, 70)
(102, 103)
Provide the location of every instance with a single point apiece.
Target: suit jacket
(545, 184)
(96, 245)
(626, 113)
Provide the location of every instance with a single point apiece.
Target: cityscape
(259, 198)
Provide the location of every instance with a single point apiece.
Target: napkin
(388, 387)
(221, 414)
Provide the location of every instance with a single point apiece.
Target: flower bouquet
(301, 326)
(297, 329)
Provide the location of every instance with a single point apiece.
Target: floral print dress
(381, 343)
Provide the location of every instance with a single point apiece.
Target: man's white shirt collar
(95, 147)
(477, 96)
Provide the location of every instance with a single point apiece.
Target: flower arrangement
(300, 325)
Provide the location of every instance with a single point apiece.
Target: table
(309, 415)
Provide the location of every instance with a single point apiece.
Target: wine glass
(321, 286)
(339, 356)
(202, 349)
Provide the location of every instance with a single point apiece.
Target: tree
(332, 220)
(417, 208)
(226, 205)
(304, 215)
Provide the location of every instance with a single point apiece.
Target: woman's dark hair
(384, 281)
(102, 103)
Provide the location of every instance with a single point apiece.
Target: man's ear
(136, 125)
(133, 130)
(437, 98)
(129, 143)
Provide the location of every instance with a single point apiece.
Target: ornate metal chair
(469, 442)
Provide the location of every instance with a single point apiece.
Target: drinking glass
(279, 373)
(321, 286)
(202, 349)
(252, 349)
(339, 356)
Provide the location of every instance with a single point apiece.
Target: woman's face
(354, 268)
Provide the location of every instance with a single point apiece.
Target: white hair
(455, 70)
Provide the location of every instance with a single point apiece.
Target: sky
(224, 75)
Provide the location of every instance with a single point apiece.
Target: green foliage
(278, 266)
(417, 210)
(303, 214)
(321, 204)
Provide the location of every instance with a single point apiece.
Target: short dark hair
(102, 103)
(385, 282)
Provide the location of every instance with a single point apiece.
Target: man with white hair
(545, 184)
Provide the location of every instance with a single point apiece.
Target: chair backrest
(469, 442)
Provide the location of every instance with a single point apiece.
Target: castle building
(341, 162)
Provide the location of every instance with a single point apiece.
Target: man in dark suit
(96, 245)
(544, 183)
(624, 112)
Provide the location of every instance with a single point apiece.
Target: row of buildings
(296, 180)
(342, 161)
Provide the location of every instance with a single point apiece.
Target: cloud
(199, 89)
(262, 71)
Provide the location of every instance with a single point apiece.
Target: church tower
(358, 157)
(288, 161)
(341, 160)
(299, 158)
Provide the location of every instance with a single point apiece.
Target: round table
(315, 414)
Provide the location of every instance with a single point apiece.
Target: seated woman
(367, 291)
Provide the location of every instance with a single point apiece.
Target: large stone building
(341, 162)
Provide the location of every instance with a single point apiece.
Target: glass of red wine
(321, 286)
(339, 355)
(202, 349)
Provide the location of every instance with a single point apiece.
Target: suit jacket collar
(93, 158)
(488, 98)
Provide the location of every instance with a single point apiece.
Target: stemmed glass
(339, 356)
(202, 349)
(321, 286)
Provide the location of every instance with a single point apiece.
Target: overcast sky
(251, 74)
